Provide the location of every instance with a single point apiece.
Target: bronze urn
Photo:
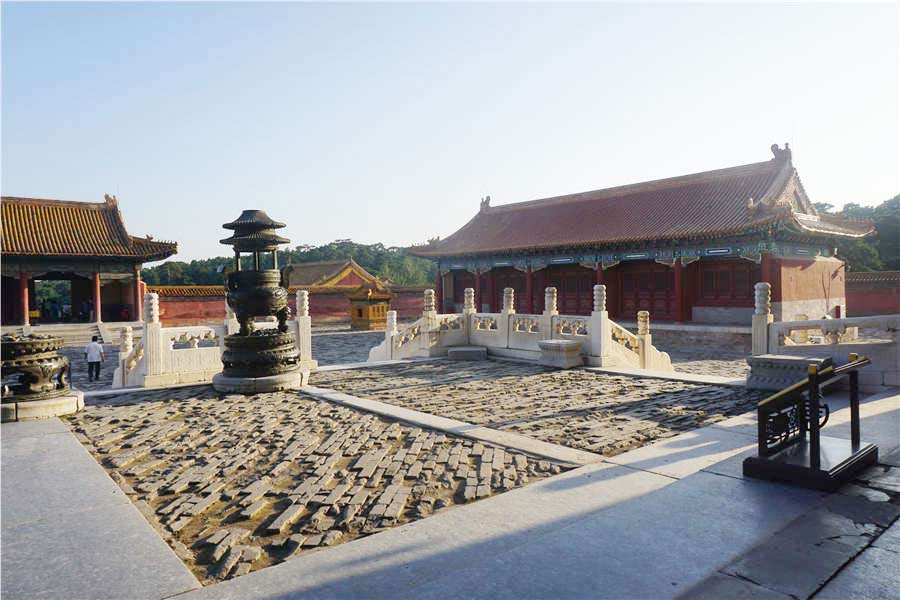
(43, 373)
(257, 292)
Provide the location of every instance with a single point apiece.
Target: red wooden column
(136, 313)
(97, 318)
(23, 296)
(529, 293)
(439, 291)
(492, 290)
(477, 291)
(598, 276)
(678, 309)
(765, 267)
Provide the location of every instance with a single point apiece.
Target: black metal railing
(789, 416)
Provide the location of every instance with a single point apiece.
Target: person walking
(93, 353)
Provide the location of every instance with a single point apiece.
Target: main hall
(687, 248)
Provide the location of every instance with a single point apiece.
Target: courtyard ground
(579, 408)
(379, 482)
(670, 517)
(237, 483)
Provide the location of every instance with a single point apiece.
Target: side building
(687, 248)
(329, 283)
(83, 243)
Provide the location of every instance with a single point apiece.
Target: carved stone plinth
(292, 380)
(563, 354)
(775, 372)
(71, 402)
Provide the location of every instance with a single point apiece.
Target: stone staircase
(73, 334)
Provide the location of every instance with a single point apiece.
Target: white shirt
(94, 351)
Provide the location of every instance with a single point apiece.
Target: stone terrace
(237, 483)
(580, 408)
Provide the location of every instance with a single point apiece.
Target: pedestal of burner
(71, 402)
(248, 386)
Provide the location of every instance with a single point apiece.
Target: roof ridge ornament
(781, 155)
(485, 203)
(111, 200)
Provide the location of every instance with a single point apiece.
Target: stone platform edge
(513, 441)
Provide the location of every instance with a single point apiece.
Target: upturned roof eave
(758, 226)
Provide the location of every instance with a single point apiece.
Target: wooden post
(23, 297)
(97, 303)
(598, 276)
(529, 292)
(439, 291)
(678, 309)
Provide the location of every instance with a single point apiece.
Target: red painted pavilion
(686, 248)
(85, 243)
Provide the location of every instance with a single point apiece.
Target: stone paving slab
(68, 531)
(873, 575)
(231, 481)
(580, 408)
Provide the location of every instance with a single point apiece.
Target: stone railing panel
(525, 331)
(191, 354)
(488, 329)
(571, 327)
(875, 337)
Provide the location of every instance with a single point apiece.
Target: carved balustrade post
(126, 341)
(469, 301)
(550, 301)
(151, 307)
(390, 330)
(153, 338)
(509, 301)
(643, 322)
(645, 340)
(549, 315)
(762, 318)
(428, 302)
(599, 298)
(302, 303)
(600, 333)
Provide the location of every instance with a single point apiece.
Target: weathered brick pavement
(237, 483)
(710, 360)
(344, 347)
(79, 374)
(589, 410)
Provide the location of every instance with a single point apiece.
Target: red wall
(864, 300)
(810, 279)
(175, 311)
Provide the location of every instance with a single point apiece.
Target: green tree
(887, 222)
(393, 264)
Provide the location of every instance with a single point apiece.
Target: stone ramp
(68, 531)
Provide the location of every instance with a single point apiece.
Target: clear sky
(388, 123)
